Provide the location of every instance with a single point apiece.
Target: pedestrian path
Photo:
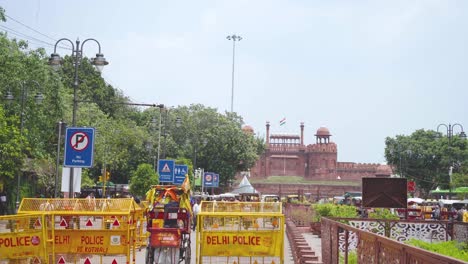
(305, 247)
(315, 242)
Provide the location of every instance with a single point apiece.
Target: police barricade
(141, 223)
(23, 239)
(87, 230)
(240, 232)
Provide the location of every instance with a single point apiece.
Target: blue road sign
(179, 174)
(216, 180)
(208, 179)
(79, 147)
(166, 170)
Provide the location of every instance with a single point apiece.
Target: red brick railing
(301, 252)
(372, 248)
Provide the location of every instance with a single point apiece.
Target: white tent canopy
(244, 187)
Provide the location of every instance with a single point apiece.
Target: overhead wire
(30, 38)
(39, 42)
(19, 22)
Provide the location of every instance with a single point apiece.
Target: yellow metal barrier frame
(240, 232)
(141, 222)
(98, 227)
(22, 239)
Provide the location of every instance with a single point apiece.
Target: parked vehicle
(168, 225)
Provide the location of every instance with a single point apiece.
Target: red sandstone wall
(321, 160)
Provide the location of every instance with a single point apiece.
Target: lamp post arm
(444, 125)
(86, 40)
(459, 125)
(56, 43)
(37, 84)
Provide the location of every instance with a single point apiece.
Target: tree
(142, 179)
(210, 139)
(426, 158)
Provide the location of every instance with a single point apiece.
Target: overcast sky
(364, 69)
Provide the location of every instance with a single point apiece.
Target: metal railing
(338, 239)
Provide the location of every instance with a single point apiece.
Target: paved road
(140, 256)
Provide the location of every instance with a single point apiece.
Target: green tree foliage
(2, 14)
(426, 157)
(126, 136)
(142, 179)
(211, 140)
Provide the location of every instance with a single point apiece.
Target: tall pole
(76, 58)
(56, 61)
(234, 38)
(159, 134)
(24, 93)
(60, 124)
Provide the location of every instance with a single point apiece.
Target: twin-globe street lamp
(24, 96)
(449, 132)
(77, 54)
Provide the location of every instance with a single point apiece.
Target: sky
(366, 70)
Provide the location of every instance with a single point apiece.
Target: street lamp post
(153, 124)
(77, 54)
(449, 132)
(166, 125)
(234, 38)
(204, 142)
(24, 95)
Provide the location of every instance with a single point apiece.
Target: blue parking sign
(79, 147)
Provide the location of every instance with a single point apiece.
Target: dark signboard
(384, 192)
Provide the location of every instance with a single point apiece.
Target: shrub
(383, 213)
(452, 249)
(333, 210)
(352, 257)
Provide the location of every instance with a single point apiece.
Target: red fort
(287, 155)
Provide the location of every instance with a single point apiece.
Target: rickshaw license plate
(165, 239)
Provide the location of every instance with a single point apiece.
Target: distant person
(436, 213)
(452, 213)
(460, 214)
(91, 202)
(196, 209)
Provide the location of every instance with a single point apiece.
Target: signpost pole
(203, 180)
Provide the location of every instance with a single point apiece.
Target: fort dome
(323, 131)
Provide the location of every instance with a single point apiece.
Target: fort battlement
(286, 154)
(329, 147)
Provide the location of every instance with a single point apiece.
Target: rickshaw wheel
(149, 255)
(188, 253)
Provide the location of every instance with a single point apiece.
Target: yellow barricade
(22, 239)
(141, 223)
(240, 232)
(93, 230)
